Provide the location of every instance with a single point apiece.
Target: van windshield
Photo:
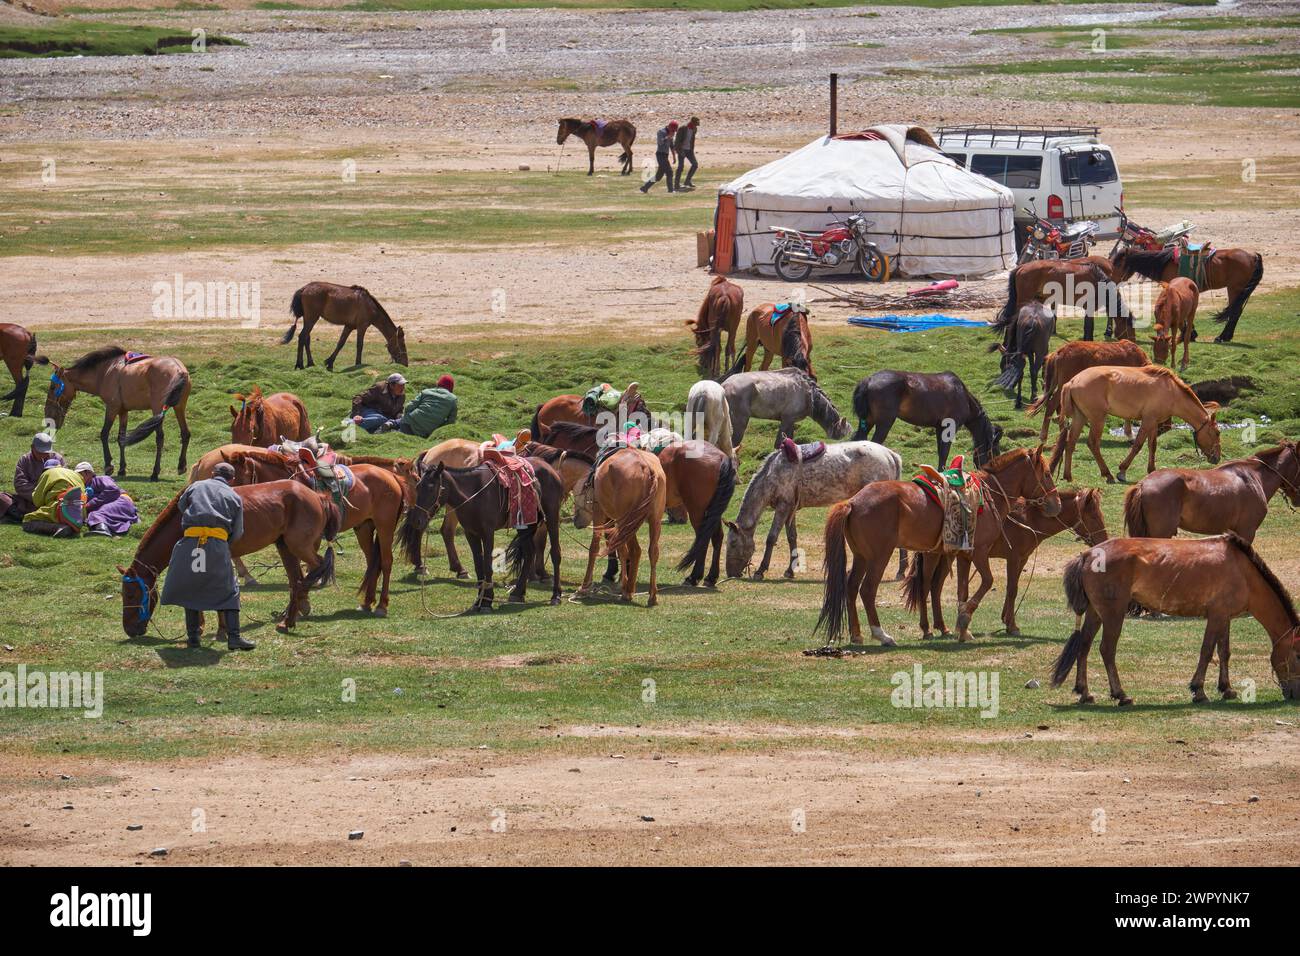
(1088, 168)
(1017, 172)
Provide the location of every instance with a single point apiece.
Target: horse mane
(164, 516)
(1267, 574)
(552, 455)
(1149, 264)
(1163, 371)
(792, 344)
(378, 308)
(1005, 459)
(98, 357)
(823, 409)
(574, 430)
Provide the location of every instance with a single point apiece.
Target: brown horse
(1236, 270)
(265, 420)
(1078, 282)
(1215, 578)
(568, 408)
(619, 132)
(719, 312)
(1071, 359)
(352, 307)
(789, 337)
(1024, 340)
(18, 349)
(628, 489)
(1175, 320)
(1150, 393)
(287, 514)
(1232, 497)
(1025, 528)
(702, 480)
(125, 383)
(571, 436)
(938, 400)
(887, 515)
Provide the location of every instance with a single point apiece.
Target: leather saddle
(798, 454)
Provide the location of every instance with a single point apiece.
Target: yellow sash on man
(204, 533)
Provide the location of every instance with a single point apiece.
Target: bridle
(144, 611)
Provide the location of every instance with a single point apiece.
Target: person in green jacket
(59, 500)
(431, 409)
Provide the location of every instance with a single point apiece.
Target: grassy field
(77, 38)
(427, 678)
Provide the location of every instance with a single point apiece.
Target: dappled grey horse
(786, 396)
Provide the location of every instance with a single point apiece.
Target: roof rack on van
(990, 133)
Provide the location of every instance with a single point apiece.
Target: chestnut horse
(701, 479)
(719, 312)
(1175, 314)
(1079, 282)
(1236, 270)
(628, 489)
(887, 515)
(788, 337)
(1233, 497)
(287, 514)
(1071, 359)
(1151, 394)
(125, 383)
(619, 132)
(264, 420)
(352, 307)
(1025, 528)
(18, 349)
(1213, 578)
(568, 408)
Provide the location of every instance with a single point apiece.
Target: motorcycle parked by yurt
(799, 253)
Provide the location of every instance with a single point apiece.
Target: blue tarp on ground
(914, 323)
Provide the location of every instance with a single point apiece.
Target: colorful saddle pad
(797, 454)
(961, 496)
(779, 312)
(520, 483)
(1192, 259)
(131, 357)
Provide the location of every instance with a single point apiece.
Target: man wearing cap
(58, 502)
(663, 146)
(109, 510)
(684, 150)
(431, 409)
(200, 576)
(15, 505)
(379, 408)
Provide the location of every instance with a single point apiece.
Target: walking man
(684, 147)
(663, 146)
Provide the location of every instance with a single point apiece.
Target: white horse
(710, 416)
(838, 473)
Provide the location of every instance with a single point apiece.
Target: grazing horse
(1071, 359)
(483, 507)
(719, 312)
(1025, 339)
(287, 514)
(352, 307)
(125, 383)
(628, 489)
(263, 420)
(1149, 393)
(1079, 282)
(887, 515)
(785, 486)
(1236, 270)
(787, 396)
(701, 479)
(788, 337)
(1027, 527)
(18, 349)
(619, 132)
(707, 410)
(1175, 320)
(1232, 497)
(1213, 578)
(940, 401)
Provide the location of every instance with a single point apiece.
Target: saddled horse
(1232, 497)
(708, 411)
(702, 480)
(939, 400)
(18, 350)
(787, 336)
(285, 513)
(1236, 270)
(719, 312)
(1024, 340)
(263, 420)
(628, 489)
(1076, 282)
(787, 396)
(1175, 321)
(1071, 359)
(350, 306)
(1213, 578)
(125, 382)
(619, 132)
(569, 408)
(887, 515)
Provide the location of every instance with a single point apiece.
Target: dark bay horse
(1026, 339)
(125, 383)
(352, 307)
(789, 337)
(18, 349)
(287, 514)
(940, 401)
(263, 420)
(1232, 497)
(1078, 282)
(719, 312)
(572, 436)
(1236, 270)
(1213, 578)
(702, 480)
(619, 132)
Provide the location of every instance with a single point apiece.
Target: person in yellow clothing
(58, 502)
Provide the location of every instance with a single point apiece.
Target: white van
(1060, 173)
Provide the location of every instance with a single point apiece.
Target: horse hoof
(555, 601)
(1110, 479)
(153, 477)
(1013, 631)
(653, 602)
(282, 627)
(965, 637)
(1125, 701)
(963, 622)
(1229, 694)
(1087, 699)
(757, 576)
(1199, 698)
(710, 582)
(927, 636)
(381, 612)
(1123, 478)
(789, 575)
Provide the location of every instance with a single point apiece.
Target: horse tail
(170, 400)
(913, 588)
(835, 607)
(519, 553)
(792, 349)
(410, 533)
(1135, 521)
(737, 368)
(1233, 308)
(324, 573)
(626, 525)
(1077, 598)
(1008, 313)
(713, 513)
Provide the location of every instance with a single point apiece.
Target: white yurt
(931, 216)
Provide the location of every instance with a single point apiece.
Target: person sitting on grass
(109, 510)
(59, 502)
(15, 505)
(431, 409)
(379, 408)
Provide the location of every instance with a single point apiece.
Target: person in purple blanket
(109, 510)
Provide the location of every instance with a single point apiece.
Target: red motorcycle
(1048, 241)
(1133, 236)
(798, 253)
